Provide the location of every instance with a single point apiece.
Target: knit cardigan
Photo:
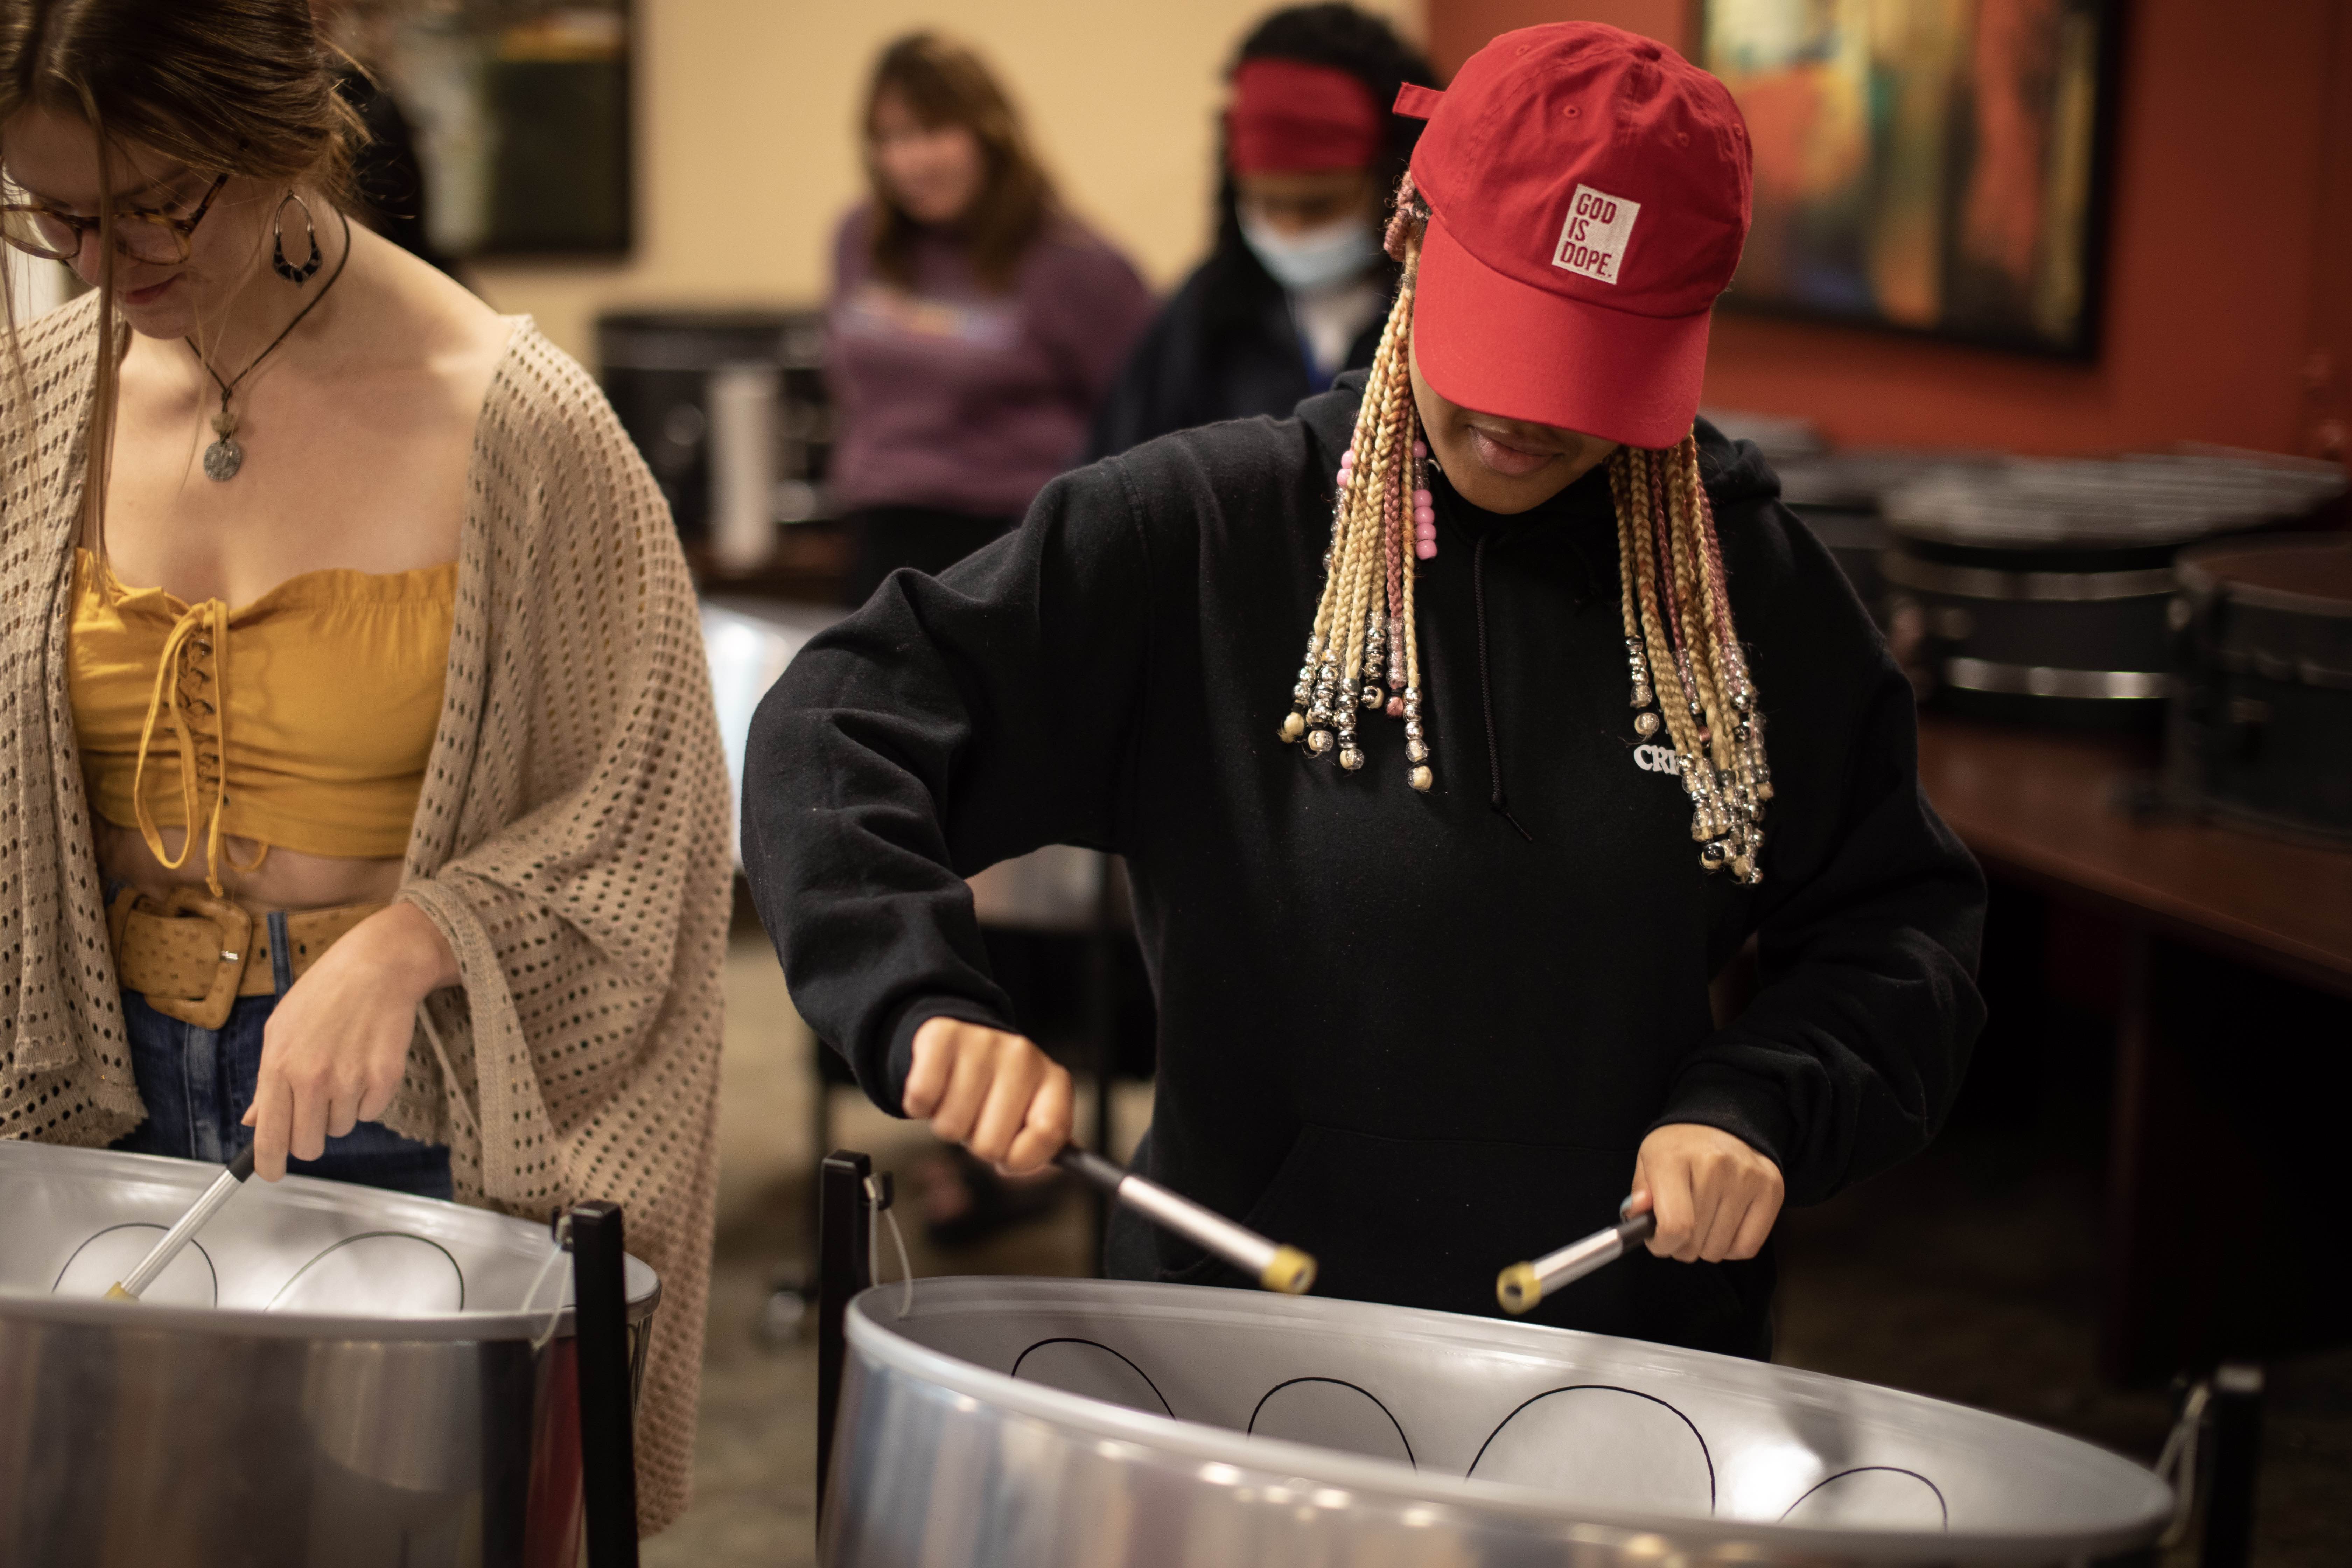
(571, 842)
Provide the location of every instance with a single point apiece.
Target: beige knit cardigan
(571, 842)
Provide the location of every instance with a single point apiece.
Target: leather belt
(191, 955)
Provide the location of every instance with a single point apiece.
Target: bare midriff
(287, 880)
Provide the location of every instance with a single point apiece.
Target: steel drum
(330, 1376)
(1054, 1424)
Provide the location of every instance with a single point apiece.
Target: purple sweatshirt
(950, 395)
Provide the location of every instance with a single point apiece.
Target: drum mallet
(1523, 1285)
(131, 1286)
(1273, 1266)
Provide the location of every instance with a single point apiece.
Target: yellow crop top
(322, 697)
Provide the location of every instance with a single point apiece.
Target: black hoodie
(1224, 347)
(1395, 1029)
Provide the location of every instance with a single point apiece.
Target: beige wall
(746, 157)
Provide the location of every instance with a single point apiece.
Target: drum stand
(847, 1205)
(2210, 1460)
(591, 1232)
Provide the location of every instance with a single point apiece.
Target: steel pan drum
(329, 1376)
(1028, 1422)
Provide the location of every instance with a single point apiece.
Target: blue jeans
(198, 1084)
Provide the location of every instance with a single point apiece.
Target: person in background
(387, 176)
(1298, 286)
(975, 324)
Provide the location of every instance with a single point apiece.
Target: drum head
(75, 1221)
(1358, 1399)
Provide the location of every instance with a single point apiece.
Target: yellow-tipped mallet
(1521, 1285)
(1271, 1264)
(133, 1285)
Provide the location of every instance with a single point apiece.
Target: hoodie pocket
(1430, 1222)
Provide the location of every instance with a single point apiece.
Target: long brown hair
(943, 82)
(236, 87)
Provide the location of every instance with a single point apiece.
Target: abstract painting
(1936, 166)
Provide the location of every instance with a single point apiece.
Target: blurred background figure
(974, 325)
(386, 175)
(1297, 286)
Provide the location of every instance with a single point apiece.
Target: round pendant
(223, 459)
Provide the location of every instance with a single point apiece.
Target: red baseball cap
(1590, 193)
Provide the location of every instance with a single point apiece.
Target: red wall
(2228, 302)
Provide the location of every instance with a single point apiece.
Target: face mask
(1316, 258)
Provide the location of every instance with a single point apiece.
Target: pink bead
(1422, 499)
(1396, 707)
(1425, 548)
(1420, 449)
(1424, 518)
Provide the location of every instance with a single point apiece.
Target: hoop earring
(295, 274)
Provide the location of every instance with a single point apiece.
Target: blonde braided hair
(1672, 597)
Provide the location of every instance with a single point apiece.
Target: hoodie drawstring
(1486, 685)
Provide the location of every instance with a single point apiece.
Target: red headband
(1289, 116)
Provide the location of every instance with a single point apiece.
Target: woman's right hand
(995, 1093)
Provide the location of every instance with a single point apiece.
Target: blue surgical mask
(1316, 258)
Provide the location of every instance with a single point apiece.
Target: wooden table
(2238, 970)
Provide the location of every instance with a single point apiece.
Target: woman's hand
(996, 1094)
(334, 1050)
(1715, 1196)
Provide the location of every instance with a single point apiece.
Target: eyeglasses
(39, 229)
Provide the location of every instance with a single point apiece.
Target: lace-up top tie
(304, 719)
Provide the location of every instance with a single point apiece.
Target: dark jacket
(386, 173)
(1394, 1031)
(1224, 348)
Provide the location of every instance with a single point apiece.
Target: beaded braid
(1678, 617)
(1689, 676)
(1366, 609)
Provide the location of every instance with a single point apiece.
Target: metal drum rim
(870, 1314)
(2194, 574)
(246, 1322)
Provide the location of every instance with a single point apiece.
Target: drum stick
(132, 1285)
(1522, 1285)
(1272, 1265)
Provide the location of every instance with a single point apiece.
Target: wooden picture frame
(523, 123)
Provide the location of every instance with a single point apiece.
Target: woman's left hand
(1714, 1195)
(333, 1050)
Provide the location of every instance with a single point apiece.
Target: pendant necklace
(223, 458)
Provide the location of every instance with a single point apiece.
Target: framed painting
(522, 117)
(1929, 166)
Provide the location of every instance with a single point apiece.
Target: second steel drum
(1053, 1424)
(329, 1376)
